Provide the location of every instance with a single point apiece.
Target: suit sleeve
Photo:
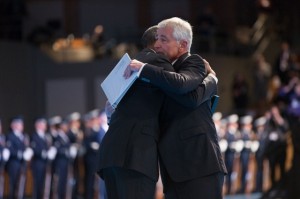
(187, 78)
(202, 93)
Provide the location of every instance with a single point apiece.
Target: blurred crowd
(257, 140)
(60, 155)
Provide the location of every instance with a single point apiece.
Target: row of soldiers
(54, 153)
(243, 141)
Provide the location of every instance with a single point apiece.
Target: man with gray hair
(190, 158)
(128, 154)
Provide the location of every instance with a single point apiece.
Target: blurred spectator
(281, 67)
(277, 128)
(293, 112)
(273, 88)
(98, 42)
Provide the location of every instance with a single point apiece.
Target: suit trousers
(128, 184)
(206, 187)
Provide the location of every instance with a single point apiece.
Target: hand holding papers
(115, 85)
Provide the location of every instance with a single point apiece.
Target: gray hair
(182, 30)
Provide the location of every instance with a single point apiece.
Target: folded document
(115, 85)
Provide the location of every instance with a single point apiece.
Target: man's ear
(183, 44)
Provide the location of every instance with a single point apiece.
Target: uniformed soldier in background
(4, 155)
(91, 144)
(261, 137)
(17, 142)
(40, 143)
(75, 135)
(61, 164)
(102, 120)
(231, 137)
(220, 125)
(54, 127)
(247, 135)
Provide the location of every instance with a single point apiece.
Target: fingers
(134, 66)
(208, 67)
(127, 72)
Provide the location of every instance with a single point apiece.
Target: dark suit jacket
(188, 144)
(131, 140)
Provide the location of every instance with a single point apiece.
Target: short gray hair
(182, 30)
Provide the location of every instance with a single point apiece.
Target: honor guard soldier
(18, 144)
(91, 144)
(54, 126)
(221, 130)
(261, 137)
(40, 143)
(4, 156)
(231, 137)
(103, 123)
(61, 189)
(247, 137)
(75, 135)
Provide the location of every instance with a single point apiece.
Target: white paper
(115, 85)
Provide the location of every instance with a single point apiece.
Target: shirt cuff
(213, 76)
(139, 72)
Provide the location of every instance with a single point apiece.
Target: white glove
(239, 145)
(273, 136)
(223, 145)
(95, 145)
(254, 146)
(51, 153)
(27, 154)
(73, 151)
(5, 154)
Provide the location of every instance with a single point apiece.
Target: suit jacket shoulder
(190, 72)
(149, 56)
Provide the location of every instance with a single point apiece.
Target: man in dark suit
(128, 153)
(190, 158)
